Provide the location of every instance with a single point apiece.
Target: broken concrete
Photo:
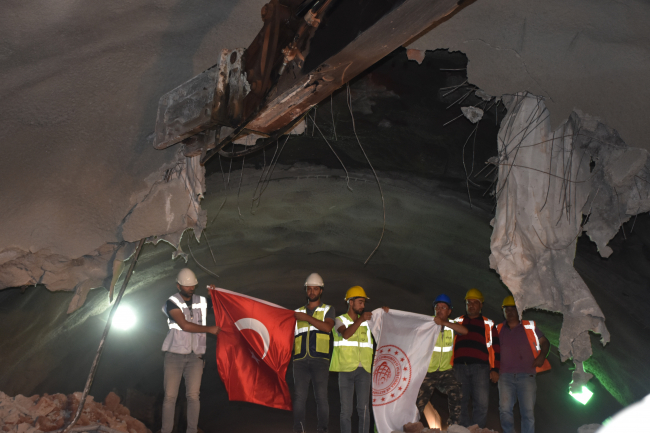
(548, 180)
(593, 56)
(163, 211)
(50, 413)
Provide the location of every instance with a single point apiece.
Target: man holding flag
(440, 374)
(184, 347)
(404, 348)
(352, 358)
(311, 354)
(254, 350)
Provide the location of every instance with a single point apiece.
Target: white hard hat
(186, 278)
(314, 280)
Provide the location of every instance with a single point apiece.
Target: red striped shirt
(472, 348)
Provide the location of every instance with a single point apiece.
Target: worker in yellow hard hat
(476, 360)
(352, 358)
(523, 354)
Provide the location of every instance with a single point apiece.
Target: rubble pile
(49, 413)
(418, 427)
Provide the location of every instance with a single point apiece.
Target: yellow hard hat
(508, 301)
(355, 292)
(474, 294)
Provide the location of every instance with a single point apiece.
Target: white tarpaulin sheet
(405, 343)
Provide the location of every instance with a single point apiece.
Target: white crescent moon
(257, 326)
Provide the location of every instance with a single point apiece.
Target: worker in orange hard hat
(523, 354)
(476, 360)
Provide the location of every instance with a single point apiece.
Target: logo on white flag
(391, 376)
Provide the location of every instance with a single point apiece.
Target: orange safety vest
(488, 337)
(529, 327)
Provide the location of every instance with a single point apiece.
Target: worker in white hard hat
(311, 354)
(184, 348)
(352, 358)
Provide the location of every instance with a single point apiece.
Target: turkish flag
(253, 348)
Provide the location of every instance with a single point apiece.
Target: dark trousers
(317, 371)
(445, 382)
(475, 385)
(351, 382)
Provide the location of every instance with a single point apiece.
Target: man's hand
(211, 287)
(494, 376)
(439, 321)
(301, 316)
(539, 361)
(385, 309)
(367, 315)
(214, 330)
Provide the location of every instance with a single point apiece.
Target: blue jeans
(191, 368)
(513, 387)
(475, 385)
(317, 371)
(349, 382)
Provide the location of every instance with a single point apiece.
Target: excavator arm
(306, 50)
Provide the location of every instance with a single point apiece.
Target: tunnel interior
(301, 207)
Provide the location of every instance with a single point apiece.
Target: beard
(358, 313)
(317, 298)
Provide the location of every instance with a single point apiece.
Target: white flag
(405, 342)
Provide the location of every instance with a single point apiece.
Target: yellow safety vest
(443, 352)
(319, 341)
(348, 354)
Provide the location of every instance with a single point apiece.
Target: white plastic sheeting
(547, 181)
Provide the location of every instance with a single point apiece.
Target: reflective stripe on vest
(488, 337)
(201, 305)
(533, 341)
(356, 343)
(348, 354)
(309, 340)
(179, 341)
(442, 356)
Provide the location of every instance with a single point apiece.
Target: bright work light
(124, 317)
(582, 396)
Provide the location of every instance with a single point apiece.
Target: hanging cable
(225, 189)
(196, 261)
(383, 202)
(264, 169)
(332, 112)
(208, 242)
(93, 368)
(241, 177)
(347, 175)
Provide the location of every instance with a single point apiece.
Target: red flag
(253, 348)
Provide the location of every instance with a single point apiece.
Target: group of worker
(470, 351)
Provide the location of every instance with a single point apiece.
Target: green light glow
(582, 396)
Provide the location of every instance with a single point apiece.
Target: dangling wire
(332, 112)
(225, 188)
(265, 182)
(208, 242)
(197, 262)
(347, 175)
(241, 177)
(383, 202)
